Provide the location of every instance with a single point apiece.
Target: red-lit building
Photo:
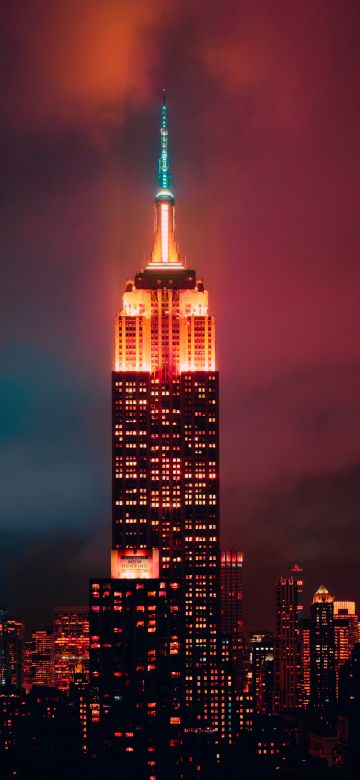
(261, 646)
(289, 613)
(42, 657)
(165, 467)
(71, 644)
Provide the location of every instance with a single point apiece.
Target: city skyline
(161, 672)
(268, 211)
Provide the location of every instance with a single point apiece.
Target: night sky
(264, 141)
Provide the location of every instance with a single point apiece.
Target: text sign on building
(135, 564)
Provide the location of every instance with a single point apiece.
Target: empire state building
(155, 620)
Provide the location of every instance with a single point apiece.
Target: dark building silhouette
(261, 646)
(15, 647)
(345, 634)
(4, 661)
(305, 636)
(231, 606)
(322, 650)
(11, 650)
(289, 612)
(231, 642)
(137, 666)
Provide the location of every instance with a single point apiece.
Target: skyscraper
(231, 641)
(11, 650)
(305, 635)
(42, 657)
(231, 603)
(345, 633)
(289, 611)
(322, 649)
(3, 647)
(15, 641)
(261, 646)
(165, 516)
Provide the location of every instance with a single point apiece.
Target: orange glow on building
(165, 324)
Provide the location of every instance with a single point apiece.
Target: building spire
(164, 172)
(165, 251)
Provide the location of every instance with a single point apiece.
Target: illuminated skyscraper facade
(165, 523)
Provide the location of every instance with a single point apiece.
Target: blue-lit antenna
(164, 172)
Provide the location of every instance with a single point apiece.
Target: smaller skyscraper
(305, 631)
(3, 647)
(345, 632)
(71, 644)
(322, 650)
(15, 646)
(231, 642)
(261, 646)
(231, 606)
(11, 648)
(42, 657)
(26, 668)
(289, 612)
